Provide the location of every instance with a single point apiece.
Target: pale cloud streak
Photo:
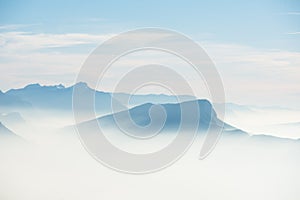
(294, 33)
(16, 41)
(10, 27)
(293, 13)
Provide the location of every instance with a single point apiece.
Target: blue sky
(254, 44)
(265, 24)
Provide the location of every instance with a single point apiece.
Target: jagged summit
(80, 84)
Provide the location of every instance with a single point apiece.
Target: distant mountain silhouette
(140, 115)
(139, 99)
(9, 100)
(58, 97)
(45, 96)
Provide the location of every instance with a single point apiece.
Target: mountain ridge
(140, 116)
(59, 97)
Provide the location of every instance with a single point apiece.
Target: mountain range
(59, 97)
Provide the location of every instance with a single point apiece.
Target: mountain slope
(12, 118)
(5, 132)
(140, 115)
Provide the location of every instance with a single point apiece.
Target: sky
(255, 45)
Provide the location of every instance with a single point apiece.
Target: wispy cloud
(18, 41)
(10, 27)
(293, 13)
(293, 33)
(23, 58)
